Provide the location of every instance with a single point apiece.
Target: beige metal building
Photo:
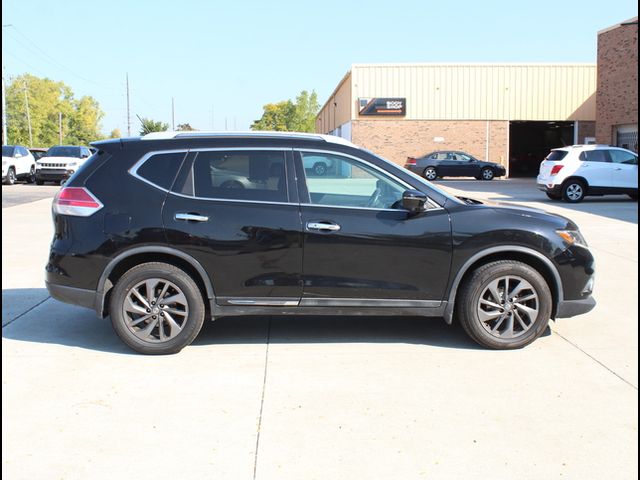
(507, 113)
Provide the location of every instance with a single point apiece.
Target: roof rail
(261, 134)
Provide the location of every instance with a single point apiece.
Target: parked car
(572, 173)
(60, 162)
(453, 164)
(145, 233)
(37, 152)
(17, 164)
(318, 165)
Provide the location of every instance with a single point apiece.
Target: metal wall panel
(480, 92)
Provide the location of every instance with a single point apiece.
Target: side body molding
(100, 291)
(448, 313)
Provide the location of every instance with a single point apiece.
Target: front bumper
(52, 175)
(572, 308)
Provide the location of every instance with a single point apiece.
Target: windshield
(442, 192)
(63, 152)
(7, 151)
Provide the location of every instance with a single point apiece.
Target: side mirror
(413, 200)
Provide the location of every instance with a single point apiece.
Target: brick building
(507, 113)
(617, 93)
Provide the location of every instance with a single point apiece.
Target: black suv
(163, 231)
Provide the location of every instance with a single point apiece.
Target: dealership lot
(274, 397)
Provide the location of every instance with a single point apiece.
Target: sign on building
(383, 106)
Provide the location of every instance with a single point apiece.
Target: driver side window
(350, 183)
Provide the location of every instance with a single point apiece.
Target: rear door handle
(191, 217)
(323, 226)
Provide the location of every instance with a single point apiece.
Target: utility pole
(26, 101)
(128, 110)
(4, 112)
(4, 102)
(173, 116)
(60, 128)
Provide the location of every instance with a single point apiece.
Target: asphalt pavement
(323, 398)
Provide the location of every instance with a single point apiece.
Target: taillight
(411, 161)
(556, 169)
(76, 201)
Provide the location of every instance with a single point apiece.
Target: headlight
(572, 237)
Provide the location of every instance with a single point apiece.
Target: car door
(625, 169)
(360, 247)
(23, 160)
(466, 166)
(596, 168)
(447, 166)
(235, 212)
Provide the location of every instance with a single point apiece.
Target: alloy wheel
(508, 307)
(155, 310)
(574, 192)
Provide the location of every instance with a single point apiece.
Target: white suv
(17, 164)
(571, 173)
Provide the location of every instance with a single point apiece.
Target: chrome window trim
(385, 173)
(232, 200)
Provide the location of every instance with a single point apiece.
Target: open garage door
(530, 142)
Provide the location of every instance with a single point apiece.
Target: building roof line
(631, 21)
(335, 90)
(477, 64)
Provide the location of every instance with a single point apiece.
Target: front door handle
(191, 217)
(323, 226)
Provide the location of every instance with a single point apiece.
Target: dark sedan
(453, 164)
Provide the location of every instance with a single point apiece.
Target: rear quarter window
(161, 168)
(556, 155)
(595, 156)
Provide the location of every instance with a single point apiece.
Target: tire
(492, 330)
(320, 169)
(187, 310)
(574, 191)
(39, 182)
(487, 174)
(11, 176)
(32, 175)
(430, 173)
(553, 196)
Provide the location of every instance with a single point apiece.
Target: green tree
(185, 127)
(289, 116)
(115, 133)
(148, 125)
(47, 99)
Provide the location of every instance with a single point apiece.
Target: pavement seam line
(25, 312)
(264, 385)
(596, 360)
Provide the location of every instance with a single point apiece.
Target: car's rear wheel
(574, 191)
(156, 308)
(430, 173)
(553, 196)
(320, 169)
(504, 305)
(11, 176)
(487, 174)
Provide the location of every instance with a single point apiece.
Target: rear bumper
(72, 295)
(553, 189)
(572, 308)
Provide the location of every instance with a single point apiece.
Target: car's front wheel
(504, 305)
(156, 308)
(487, 174)
(11, 176)
(32, 175)
(430, 173)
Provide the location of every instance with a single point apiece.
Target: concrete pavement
(290, 398)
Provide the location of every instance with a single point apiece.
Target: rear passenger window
(556, 155)
(241, 175)
(594, 156)
(161, 168)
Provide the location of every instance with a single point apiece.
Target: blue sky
(221, 61)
